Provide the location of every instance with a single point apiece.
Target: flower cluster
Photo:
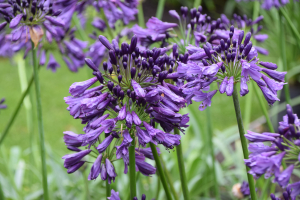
(28, 17)
(36, 20)
(133, 95)
(242, 23)
(266, 159)
(2, 106)
(233, 61)
(200, 28)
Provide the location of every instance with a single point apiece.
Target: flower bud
(200, 9)
(151, 61)
(137, 52)
(184, 11)
(154, 72)
(241, 36)
(133, 96)
(193, 12)
(110, 70)
(121, 94)
(90, 63)
(120, 78)
(99, 76)
(247, 49)
(128, 92)
(132, 72)
(133, 44)
(232, 28)
(112, 57)
(291, 117)
(125, 65)
(125, 48)
(105, 66)
(247, 38)
(222, 44)
(156, 53)
(105, 42)
(110, 85)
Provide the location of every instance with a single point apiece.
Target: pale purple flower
(2, 106)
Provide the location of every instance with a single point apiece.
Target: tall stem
(1, 192)
(16, 111)
(111, 34)
(161, 172)
(181, 167)
(288, 19)
(212, 154)
(160, 9)
(40, 123)
(141, 15)
(81, 32)
(132, 169)
(243, 139)
(169, 179)
(283, 56)
(157, 186)
(108, 194)
(86, 185)
(28, 106)
(248, 103)
(264, 109)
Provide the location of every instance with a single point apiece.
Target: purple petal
(15, 21)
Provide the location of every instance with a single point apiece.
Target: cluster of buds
(134, 93)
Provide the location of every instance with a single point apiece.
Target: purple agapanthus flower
(266, 159)
(233, 61)
(132, 96)
(47, 22)
(242, 22)
(42, 17)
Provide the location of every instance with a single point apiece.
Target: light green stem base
(40, 123)
(283, 55)
(212, 154)
(161, 172)
(181, 167)
(132, 169)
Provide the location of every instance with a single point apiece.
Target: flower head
(132, 95)
(266, 159)
(235, 60)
